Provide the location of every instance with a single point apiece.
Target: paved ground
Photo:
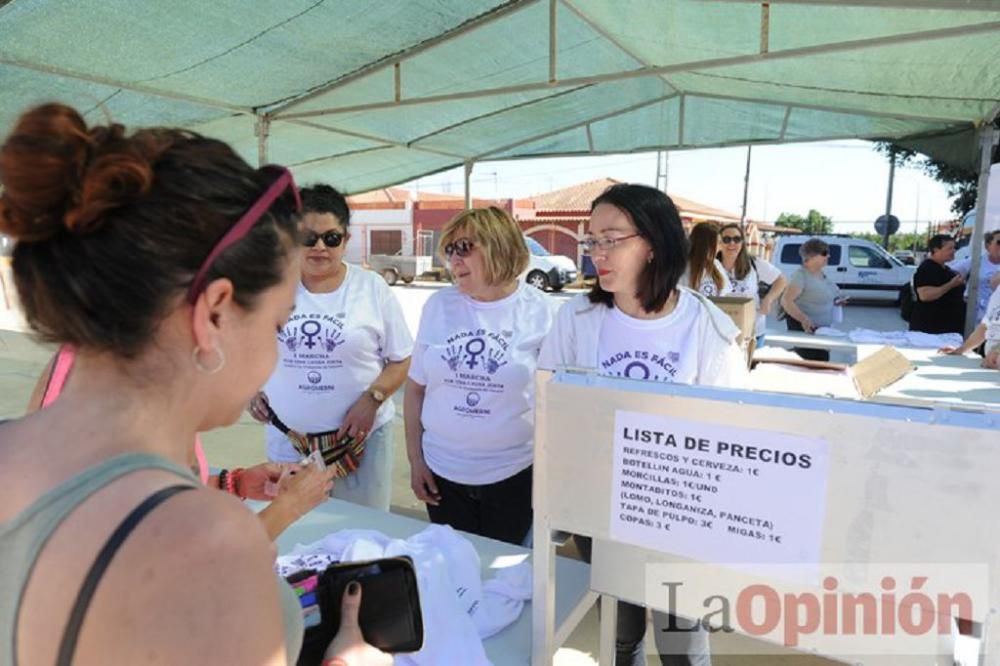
(242, 444)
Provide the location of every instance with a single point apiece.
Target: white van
(547, 270)
(862, 269)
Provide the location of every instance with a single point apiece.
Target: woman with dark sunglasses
(751, 277)
(167, 263)
(470, 399)
(640, 321)
(343, 353)
(811, 296)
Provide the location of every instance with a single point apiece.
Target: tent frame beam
(698, 65)
(568, 128)
(128, 87)
(369, 137)
(834, 109)
(397, 58)
(960, 5)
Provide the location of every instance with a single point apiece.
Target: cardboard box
(742, 311)
(862, 380)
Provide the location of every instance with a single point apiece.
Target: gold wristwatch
(377, 395)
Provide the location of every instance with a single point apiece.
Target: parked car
(908, 257)
(394, 268)
(547, 270)
(862, 269)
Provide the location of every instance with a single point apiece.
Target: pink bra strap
(60, 372)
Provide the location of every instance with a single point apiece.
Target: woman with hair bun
(168, 264)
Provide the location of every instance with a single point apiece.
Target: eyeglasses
(603, 244)
(462, 247)
(330, 238)
(731, 240)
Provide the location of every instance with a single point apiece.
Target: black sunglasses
(730, 240)
(330, 238)
(462, 247)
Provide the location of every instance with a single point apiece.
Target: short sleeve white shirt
(329, 353)
(707, 285)
(477, 362)
(667, 349)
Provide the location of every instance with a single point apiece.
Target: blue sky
(843, 179)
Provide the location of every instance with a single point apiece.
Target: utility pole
(746, 189)
(662, 169)
(888, 198)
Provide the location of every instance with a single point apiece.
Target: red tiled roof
(400, 195)
(576, 199)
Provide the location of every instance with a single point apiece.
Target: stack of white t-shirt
(329, 353)
(761, 270)
(459, 609)
(477, 361)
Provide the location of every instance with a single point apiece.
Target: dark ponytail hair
(111, 229)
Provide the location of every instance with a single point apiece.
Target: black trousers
(677, 644)
(500, 510)
(805, 352)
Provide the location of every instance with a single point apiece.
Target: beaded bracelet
(235, 477)
(223, 474)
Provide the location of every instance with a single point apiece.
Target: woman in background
(811, 296)
(704, 273)
(470, 399)
(751, 277)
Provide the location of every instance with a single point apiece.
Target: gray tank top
(23, 537)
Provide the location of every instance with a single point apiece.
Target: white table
(510, 646)
(789, 339)
(942, 379)
(937, 379)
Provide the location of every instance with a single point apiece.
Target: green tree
(813, 223)
(961, 184)
(906, 241)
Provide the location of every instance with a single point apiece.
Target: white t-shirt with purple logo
(477, 362)
(663, 349)
(707, 285)
(329, 353)
(761, 270)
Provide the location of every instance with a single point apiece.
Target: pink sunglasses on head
(243, 226)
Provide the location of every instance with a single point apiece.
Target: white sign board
(718, 494)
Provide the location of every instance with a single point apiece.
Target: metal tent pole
(988, 137)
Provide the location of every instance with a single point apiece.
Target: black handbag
(390, 616)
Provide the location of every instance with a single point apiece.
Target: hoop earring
(207, 371)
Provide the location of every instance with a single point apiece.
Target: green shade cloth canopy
(368, 94)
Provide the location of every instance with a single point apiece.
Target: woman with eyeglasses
(704, 273)
(639, 321)
(166, 262)
(469, 404)
(751, 277)
(811, 296)
(343, 353)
